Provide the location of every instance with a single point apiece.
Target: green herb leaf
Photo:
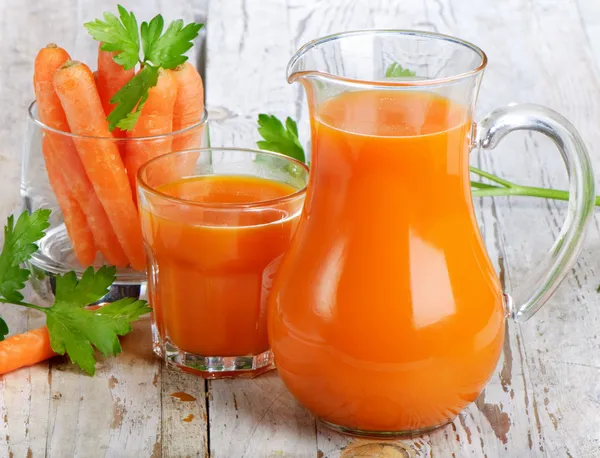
(161, 50)
(129, 121)
(278, 138)
(3, 329)
(133, 94)
(118, 34)
(75, 330)
(151, 32)
(19, 245)
(395, 70)
(167, 51)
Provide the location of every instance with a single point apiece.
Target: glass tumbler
(215, 232)
(86, 230)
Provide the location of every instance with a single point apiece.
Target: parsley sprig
(159, 51)
(395, 70)
(278, 138)
(73, 329)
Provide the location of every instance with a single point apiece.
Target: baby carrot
(156, 118)
(75, 221)
(74, 84)
(25, 349)
(111, 78)
(67, 160)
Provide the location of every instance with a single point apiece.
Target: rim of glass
(291, 77)
(36, 120)
(141, 182)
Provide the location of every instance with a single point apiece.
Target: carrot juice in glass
(215, 224)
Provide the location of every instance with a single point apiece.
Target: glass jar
(88, 227)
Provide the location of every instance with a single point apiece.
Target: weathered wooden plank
(544, 399)
(184, 415)
(544, 69)
(55, 410)
(24, 394)
(248, 48)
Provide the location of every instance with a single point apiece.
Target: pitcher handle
(539, 284)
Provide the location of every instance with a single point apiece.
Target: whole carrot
(74, 84)
(75, 220)
(110, 78)
(188, 111)
(156, 118)
(25, 349)
(65, 156)
(189, 106)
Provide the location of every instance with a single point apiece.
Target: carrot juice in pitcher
(386, 317)
(397, 321)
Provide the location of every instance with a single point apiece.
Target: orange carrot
(156, 118)
(25, 349)
(74, 84)
(65, 155)
(75, 221)
(189, 106)
(111, 78)
(188, 111)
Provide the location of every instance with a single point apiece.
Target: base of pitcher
(214, 367)
(383, 434)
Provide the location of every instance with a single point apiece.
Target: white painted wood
(251, 418)
(545, 397)
(51, 409)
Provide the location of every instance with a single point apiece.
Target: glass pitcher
(386, 316)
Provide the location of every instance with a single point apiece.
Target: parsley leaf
(118, 34)
(395, 70)
(278, 138)
(151, 32)
(161, 50)
(3, 329)
(133, 94)
(167, 51)
(75, 330)
(19, 245)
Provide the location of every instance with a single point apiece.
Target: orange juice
(386, 314)
(211, 267)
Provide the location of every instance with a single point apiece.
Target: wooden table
(545, 397)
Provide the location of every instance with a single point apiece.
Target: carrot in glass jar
(189, 106)
(66, 160)
(188, 111)
(110, 78)
(156, 118)
(75, 220)
(74, 83)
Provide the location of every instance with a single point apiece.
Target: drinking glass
(51, 167)
(215, 232)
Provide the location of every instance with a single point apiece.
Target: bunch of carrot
(93, 176)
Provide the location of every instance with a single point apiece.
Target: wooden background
(545, 397)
